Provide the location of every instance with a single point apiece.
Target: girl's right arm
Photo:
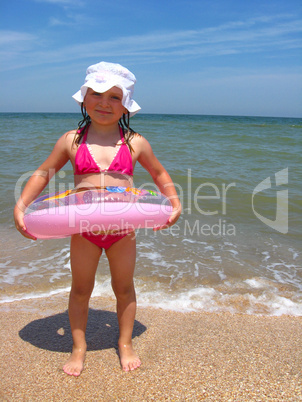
(39, 180)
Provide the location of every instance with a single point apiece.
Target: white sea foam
(222, 275)
(267, 256)
(254, 283)
(33, 295)
(196, 272)
(102, 288)
(4, 264)
(233, 252)
(193, 300)
(199, 299)
(210, 300)
(13, 273)
(275, 305)
(295, 253)
(192, 241)
(152, 255)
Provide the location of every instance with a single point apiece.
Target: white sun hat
(102, 76)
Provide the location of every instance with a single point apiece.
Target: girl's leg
(84, 258)
(121, 256)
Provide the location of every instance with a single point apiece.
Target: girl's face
(105, 108)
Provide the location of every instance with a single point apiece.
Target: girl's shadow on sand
(53, 333)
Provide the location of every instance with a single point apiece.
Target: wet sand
(185, 356)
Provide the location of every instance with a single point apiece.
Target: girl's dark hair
(83, 125)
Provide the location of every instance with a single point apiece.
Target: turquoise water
(237, 245)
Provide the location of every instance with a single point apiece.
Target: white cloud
(69, 21)
(239, 37)
(12, 37)
(55, 21)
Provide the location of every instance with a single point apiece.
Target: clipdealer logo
(280, 224)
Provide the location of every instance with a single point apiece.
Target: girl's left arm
(160, 177)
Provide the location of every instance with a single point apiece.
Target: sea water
(237, 244)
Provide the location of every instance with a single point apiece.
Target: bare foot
(129, 359)
(75, 364)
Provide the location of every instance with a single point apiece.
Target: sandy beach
(186, 356)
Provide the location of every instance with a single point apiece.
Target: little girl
(103, 152)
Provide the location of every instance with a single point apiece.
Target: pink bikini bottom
(102, 240)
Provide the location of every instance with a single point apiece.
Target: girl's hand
(172, 220)
(19, 223)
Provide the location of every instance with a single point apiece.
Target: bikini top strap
(84, 138)
(122, 135)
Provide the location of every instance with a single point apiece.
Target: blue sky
(231, 57)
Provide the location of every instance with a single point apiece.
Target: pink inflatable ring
(97, 210)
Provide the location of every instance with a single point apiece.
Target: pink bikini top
(85, 162)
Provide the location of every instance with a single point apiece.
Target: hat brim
(128, 103)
